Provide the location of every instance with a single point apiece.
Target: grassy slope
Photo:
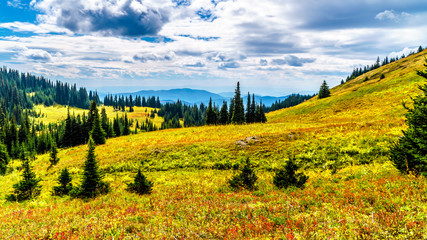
(353, 126)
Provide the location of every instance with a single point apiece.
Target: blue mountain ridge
(194, 96)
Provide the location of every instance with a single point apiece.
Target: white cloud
(392, 15)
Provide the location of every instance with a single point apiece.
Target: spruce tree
(210, 114)
(223, 115)
(65, 185)
(4, 158)
(246, 178)
(140, 185)
(53, 154)
(97, 133)
(288, 177)
(324, 91)
(262, 116)
(28, 187)
(105, 123)
(248, 110)
(116, 126)
(238, 111)
(126, 127)
(92, 184)
(253, 108)
(409, 153)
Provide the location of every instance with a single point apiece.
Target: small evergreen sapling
(246, 178)
(288, 177)
(140, 185)
(28, 187)
(65, 185)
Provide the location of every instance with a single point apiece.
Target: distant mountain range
(194, 96)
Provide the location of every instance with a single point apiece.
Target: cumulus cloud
(145, 57)
(131, 18)
(292, 60)
(195, 65)
(226, 65)
(37, 55)
(391, 15)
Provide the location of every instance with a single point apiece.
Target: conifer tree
(324, 91)
(287, 177)
(409, 153)
(262, 116)
(65, 185)
(210, 114)
(53, 154)
(97, 133)
(238, 111)
(249, 115)
(223, 115)
(140, 185)
(116, 126)
(246, 178)
(92, 184)
(126, 127)
(105, 123)
(28, 187)
(4, 158)
(93, 110)
(253, 108)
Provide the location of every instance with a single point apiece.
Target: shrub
(140, 185)
(246, 178)
(288, 177)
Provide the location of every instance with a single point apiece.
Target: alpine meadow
(282, 148)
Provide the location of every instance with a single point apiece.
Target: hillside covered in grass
(341, 142)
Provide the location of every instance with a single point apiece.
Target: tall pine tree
(223, 114)
(97, 133)
(238, 111)
(210, 114)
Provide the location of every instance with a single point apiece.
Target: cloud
(130, 18)
(37, 55)
(195, 65)
(391, 15)
(226, 65)
(145, 57)
(15, 4)
(292, 60)
(263, 62)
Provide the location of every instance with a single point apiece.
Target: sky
(273, 47)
